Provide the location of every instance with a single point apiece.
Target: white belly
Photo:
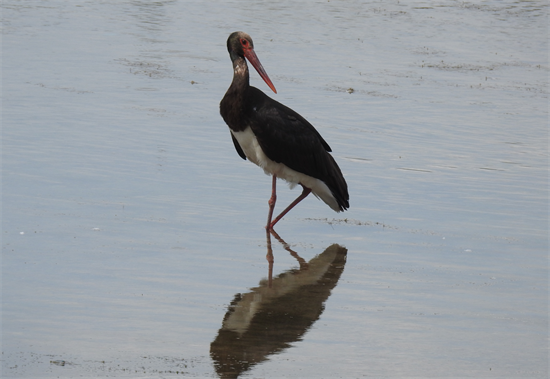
(253, 151)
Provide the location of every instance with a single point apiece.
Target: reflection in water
(279, 311)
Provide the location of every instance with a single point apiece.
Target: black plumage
(283, 135)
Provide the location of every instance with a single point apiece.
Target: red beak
(253, 59)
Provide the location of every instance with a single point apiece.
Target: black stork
(276, 138)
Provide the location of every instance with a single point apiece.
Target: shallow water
(130, 226)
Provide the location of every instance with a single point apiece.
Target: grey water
(132, 232)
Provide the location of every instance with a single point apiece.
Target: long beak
(253, 59)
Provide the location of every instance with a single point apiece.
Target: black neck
(233, 103)
(241, 77)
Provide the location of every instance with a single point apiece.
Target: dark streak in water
(412, 169)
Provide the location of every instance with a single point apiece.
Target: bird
(276, 138)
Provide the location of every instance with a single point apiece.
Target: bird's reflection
(279, 311)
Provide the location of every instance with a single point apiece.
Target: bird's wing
(288, 138)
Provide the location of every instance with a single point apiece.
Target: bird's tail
(337, 184)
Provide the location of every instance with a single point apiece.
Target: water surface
(131, 227)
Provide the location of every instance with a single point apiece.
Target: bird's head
(239, 44)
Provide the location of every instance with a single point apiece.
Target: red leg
(272, 201)
(304, 194)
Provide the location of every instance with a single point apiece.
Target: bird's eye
(244, 42)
